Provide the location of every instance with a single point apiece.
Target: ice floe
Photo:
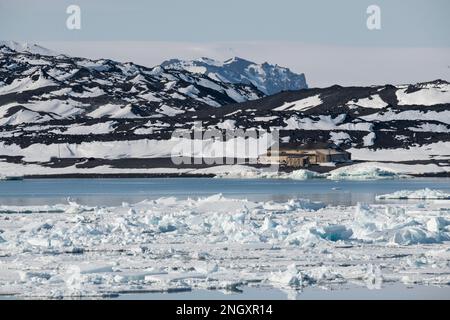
(359, 171)
(416, 194)
(394, 225)
(251, 173)
(363, 172)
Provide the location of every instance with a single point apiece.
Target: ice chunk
(416, 194)
(333, 232)
(292, 277)
(395, 226)
(86, 268)
(413, 235)
(303, 175)
(437, 224)
(373, 277)
(362, 172)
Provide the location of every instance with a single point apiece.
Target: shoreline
(163, 168)
(389, 291)
(118, 176)
(166, 176)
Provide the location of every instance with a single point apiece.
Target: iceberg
(363, 172)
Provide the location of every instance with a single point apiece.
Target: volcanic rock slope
(82, 106)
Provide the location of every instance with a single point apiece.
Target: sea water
(112, 192)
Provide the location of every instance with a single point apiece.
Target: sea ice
(169, 244)
(416, 194)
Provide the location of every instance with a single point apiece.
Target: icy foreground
(219, 243)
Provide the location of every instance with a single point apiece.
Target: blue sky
(326, 39)
(404, 22)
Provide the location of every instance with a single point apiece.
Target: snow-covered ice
(416, 194)
(171, 244)
(244, 172)
(365, 171)
(383, 170)
(360, 171)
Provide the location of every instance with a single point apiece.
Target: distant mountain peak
(439, 81)
(268, 78)
(237, 60)
(27, 47)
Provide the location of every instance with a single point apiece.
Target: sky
(328, 40)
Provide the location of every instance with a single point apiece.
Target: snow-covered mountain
(27, 47)
(366, 120)
(37, 88)
(268, 78)
(58, 111)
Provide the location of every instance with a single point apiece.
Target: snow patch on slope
(427, 95)
(300, 105)
(438, 151)
(373, 102)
